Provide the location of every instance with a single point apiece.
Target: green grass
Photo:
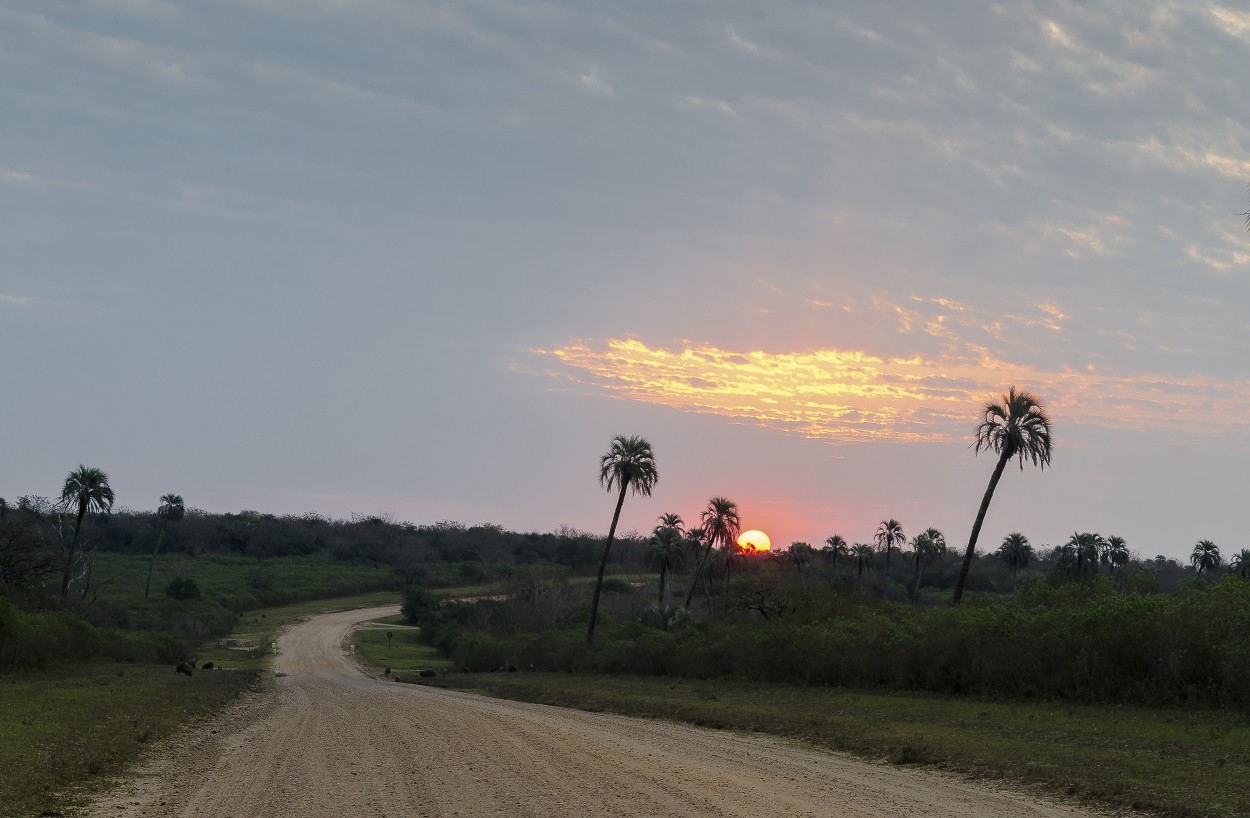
(402, 654)
(65, 730)
(1176, 763)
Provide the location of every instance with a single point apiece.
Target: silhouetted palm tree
(667, 552)
(835, 546)
(1205, 556)
(890, 536)
(801, 555)
(1115, 553)
(672, 521)
(1017, 552)
(1240, 563)
(1083, 551)
(171, 511)
(721, 527)
(862, 554)
(629, 464)
(87, 489)
(926, 548)
(1017, 427)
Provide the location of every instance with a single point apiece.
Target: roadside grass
(403, 653)
(66, 730)
(1170, 762)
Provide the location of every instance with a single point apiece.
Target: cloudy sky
(426, 259)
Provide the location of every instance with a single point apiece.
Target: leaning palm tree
(1017, 427)
(835, 546)
(926, 548)
(1205, 556)
(1017, 552)
(890, 536)
(629, 464)
(1240, 563)
(862, 553)
(667, 552)
(171, 511)
(721, 526)
(87, 489)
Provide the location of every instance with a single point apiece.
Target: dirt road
(331, 741)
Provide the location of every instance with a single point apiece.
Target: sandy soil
(331, 741)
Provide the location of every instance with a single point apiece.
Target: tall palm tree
(1240, 563)
(1205, 556)
(667, 552)
(862, 553)
(171, 511)
(1017, 552)
(629, 464)
(835, 546)
(721, 527)
(926, 548)
(87, 489)
(890, 536)
(1018, 427)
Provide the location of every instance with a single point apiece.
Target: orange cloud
(847, 396)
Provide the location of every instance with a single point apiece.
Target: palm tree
(1084, 550)
(834, 546)
(89, 490)
(721, 526)
(801, 554)
(1017, 552)
(671, 521)
(171, 511)
(629, 464)
(1017, 427)
(1115, 553)
(1240, 563)
(667, 552)
(890, 536)
(927, 547)
(1205, 556)
(862, 553)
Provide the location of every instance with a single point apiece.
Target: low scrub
(42, 639)
(1079, 642)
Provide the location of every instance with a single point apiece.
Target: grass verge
(66, 730)
(1175, 763)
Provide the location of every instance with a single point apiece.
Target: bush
(182, 588)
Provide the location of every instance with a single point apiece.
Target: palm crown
(629, 463)
(1017, 427)
(88, 489)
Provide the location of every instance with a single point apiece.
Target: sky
(426, 259)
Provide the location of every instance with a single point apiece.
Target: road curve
(330, 741)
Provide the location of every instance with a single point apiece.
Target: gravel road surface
(330, 741)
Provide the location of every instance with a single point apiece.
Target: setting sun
(754, 541)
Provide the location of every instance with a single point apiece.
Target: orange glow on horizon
(754, 541)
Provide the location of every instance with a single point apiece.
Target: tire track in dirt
(330, 741)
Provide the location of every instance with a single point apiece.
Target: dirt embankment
(330, 741)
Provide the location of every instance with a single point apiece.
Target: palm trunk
(694, 581)
(976, 526)
(147, 589)
(73, 551)
(915, 590)
(662, 573)
(603, 566)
